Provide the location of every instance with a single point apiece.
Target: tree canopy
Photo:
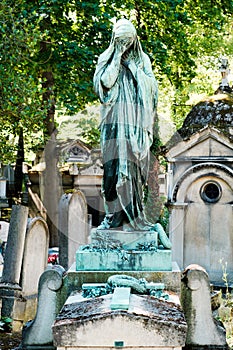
(64, 38)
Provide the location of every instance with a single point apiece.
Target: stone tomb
(123, 316)
(134, 322)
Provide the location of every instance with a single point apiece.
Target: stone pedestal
(75, 279)
(125, 260)
(113, 250)
(128, 240)
(138, 254)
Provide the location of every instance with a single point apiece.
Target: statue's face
(125, 40)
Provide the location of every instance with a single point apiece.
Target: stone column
(176, 231)
(10, 290)
(15, 247)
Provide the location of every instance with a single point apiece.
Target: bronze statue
(127, 89)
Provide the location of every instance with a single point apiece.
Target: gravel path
(9, 341)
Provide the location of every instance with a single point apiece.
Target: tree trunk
(48, 100)
(51, 177)
(51, 189)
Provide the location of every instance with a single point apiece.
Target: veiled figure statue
(128, 92)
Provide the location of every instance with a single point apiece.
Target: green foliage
(5, 324)
(164, 218)
(20, 89)
(66, 37)
(91, 137)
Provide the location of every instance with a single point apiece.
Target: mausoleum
(200, 187)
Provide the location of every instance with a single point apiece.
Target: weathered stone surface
(196, 228)
(203, 330)
(75, 279)
(13, 304)
(128, 240)
(115, 250)
(38, 333)
(36, 245)
(149, 323)
(215, 111)
(15, 246)
(73, 226)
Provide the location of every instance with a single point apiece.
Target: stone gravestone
(35, 255)
(4, 228)
(34, 264)
(204, 332)
(25, 260)
(73, 226)
(37, 334)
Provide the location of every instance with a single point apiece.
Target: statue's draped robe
(127, 117)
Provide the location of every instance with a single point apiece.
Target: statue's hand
(125, 59)
(120, 46)
(128, 61)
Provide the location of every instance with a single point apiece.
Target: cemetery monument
(127, 89)
(116, 284)
(128, 92)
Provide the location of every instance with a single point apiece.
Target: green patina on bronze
(127, 89)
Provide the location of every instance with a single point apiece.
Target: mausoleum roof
(215, 111)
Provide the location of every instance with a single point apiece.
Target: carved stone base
(123, 260)
(115, 250)
(128, 240)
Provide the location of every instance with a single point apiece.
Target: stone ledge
(75, 279)
(37, 347)
(125, 260)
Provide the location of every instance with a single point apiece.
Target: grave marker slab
(35, 255)
(73, 226)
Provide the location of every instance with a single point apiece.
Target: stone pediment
(94, 169)
(75, 152)
(208, 143)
